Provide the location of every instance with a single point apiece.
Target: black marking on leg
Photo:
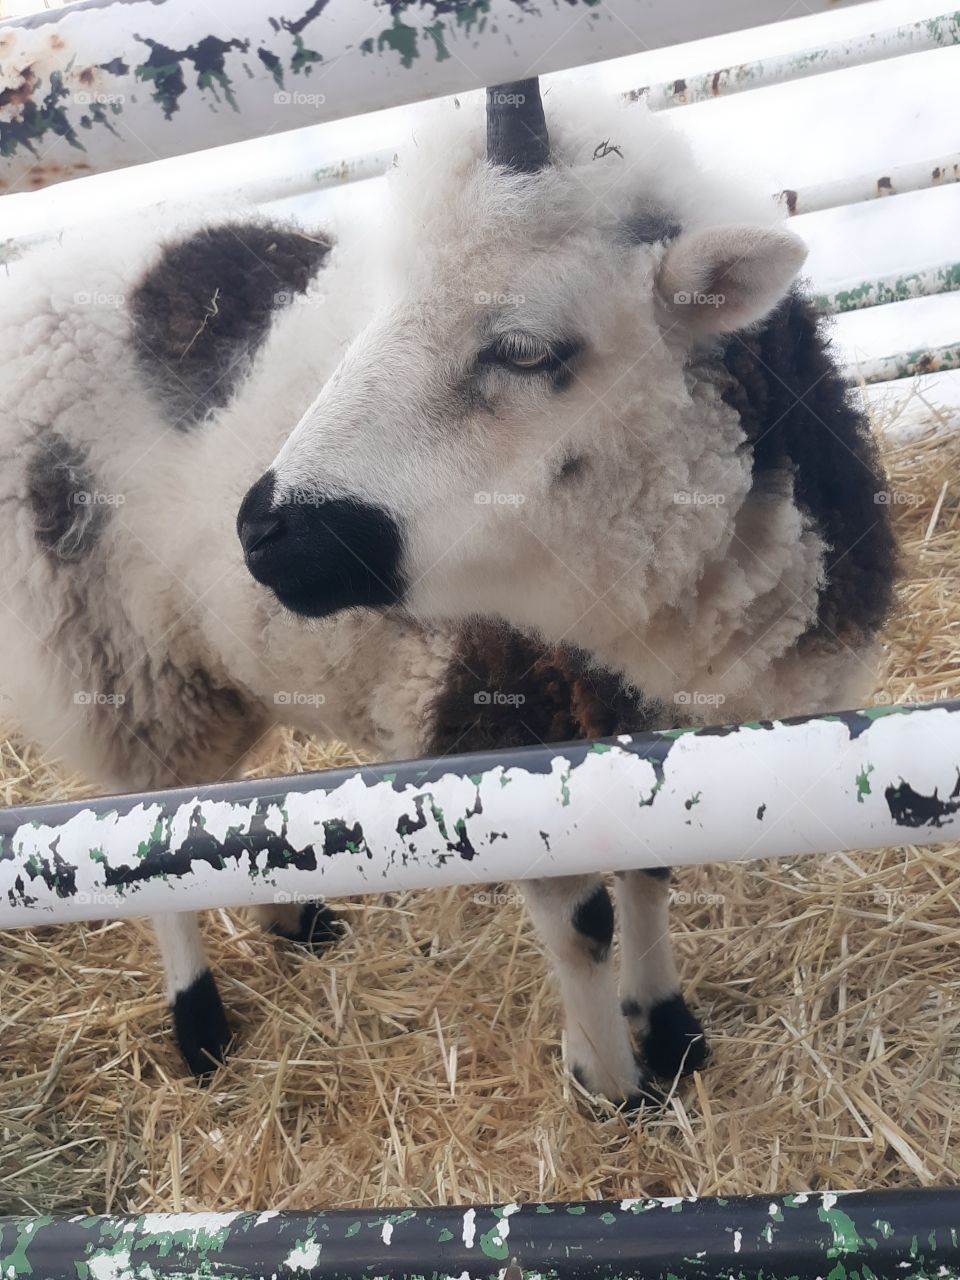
(200, 1025)
(646, 1094)
(67, 515)
(206, 305)
(594, 919)
(657, 873)
(317, 928)
(675, 1041)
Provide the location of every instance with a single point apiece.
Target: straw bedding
(419, 1062)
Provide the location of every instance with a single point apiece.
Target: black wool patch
(675, 1041)
(68, 516)
(317, 928)
(204, 309)
(594, 919)
(200, 1025)
(799, 415)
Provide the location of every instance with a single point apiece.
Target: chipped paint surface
(119, 82)
(932, 33)
(918, 175)
(850, 1236)
(898, 288)
(908, 364)
(690, 795)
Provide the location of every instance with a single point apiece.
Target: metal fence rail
(902, 287)
(850, 780)
(915, 37)
(882, 1235)
(907, 364)
(98, 86)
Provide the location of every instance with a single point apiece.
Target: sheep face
(520, 431)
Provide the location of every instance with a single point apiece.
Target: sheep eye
(527, 354)
(523, 351)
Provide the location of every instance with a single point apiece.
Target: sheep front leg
(199, 1021)
(574, 918)
(312, 924)
(672, 1037)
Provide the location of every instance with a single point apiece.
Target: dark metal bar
(884, 1235)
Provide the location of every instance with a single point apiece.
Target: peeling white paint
(469, 1228)
(732, 772)
(386, 1234)
(737, 1238)
(304, 1257)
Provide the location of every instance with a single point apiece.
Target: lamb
(529, 338)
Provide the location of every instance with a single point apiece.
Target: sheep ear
(724, 278)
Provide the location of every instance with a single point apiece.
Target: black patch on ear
(651, 225)
(557, 695)
(68, 519)
(675, 1039)
(200, 1025)
(594, 919)
(799, 414)
(205, 307)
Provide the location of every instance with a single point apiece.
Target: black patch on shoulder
(594, 919)
(67, 516)
(205, 307)
(799, 414)
(675, 1040)
(200, 1025)
(504, 689)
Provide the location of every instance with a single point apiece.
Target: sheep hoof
(317, 927)
(675, 1042)
(646, 1095)
(201, 1027)
(644, 1092)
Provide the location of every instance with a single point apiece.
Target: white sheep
(573, 388)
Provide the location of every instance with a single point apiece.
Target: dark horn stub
(516, 127)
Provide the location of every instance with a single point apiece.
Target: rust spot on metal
(45, 175)
(789, 198)
(884, 185)
(21, 94)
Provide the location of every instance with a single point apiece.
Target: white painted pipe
(918, 175)
(109, 83)
(850, 780)
(877, 46)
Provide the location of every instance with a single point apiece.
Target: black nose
(319, 555)
(256, 522)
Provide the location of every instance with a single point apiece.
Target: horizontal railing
(110, 83)
(863, 779)
(886, 1235)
